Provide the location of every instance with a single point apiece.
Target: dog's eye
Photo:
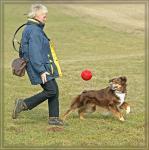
(116, 82)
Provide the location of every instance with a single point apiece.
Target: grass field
(108, 40)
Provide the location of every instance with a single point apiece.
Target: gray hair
(36, 8)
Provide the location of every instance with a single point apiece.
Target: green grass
(81, 43)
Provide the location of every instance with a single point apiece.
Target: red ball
(86, 75)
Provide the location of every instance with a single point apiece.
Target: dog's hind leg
(82, 116)
(81, 112)
(73, 107)
(67, 113)
(116, 113)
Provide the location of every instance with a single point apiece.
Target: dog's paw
(128, 110)
(122, 119)
(82, 118)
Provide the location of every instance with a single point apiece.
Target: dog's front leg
(116, 113)
(126, 107)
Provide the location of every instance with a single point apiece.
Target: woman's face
(42, 17)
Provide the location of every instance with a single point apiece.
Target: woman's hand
(44, 77)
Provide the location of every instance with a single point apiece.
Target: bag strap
(14, 39)
(46, 36)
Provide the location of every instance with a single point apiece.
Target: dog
(111, 98)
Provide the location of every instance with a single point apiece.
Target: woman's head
(39, 12)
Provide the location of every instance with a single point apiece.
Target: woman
(41, 68)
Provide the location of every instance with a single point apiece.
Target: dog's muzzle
(112, 86)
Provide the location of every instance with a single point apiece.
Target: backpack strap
(14, 39)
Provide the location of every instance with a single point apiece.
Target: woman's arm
(35, 51)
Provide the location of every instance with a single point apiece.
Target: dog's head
(118, 84)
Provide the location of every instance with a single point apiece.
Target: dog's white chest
(121, 97)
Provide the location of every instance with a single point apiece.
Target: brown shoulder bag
(19, 64)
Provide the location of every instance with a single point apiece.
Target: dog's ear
(124, 78)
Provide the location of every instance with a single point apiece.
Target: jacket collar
(37, 22)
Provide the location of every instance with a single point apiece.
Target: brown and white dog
(111, 98)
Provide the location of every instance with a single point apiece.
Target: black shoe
(55, 121)
(19, 106)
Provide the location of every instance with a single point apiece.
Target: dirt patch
(55, 129)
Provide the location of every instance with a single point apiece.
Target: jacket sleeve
(35, 51)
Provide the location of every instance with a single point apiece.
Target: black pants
(50, 92)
